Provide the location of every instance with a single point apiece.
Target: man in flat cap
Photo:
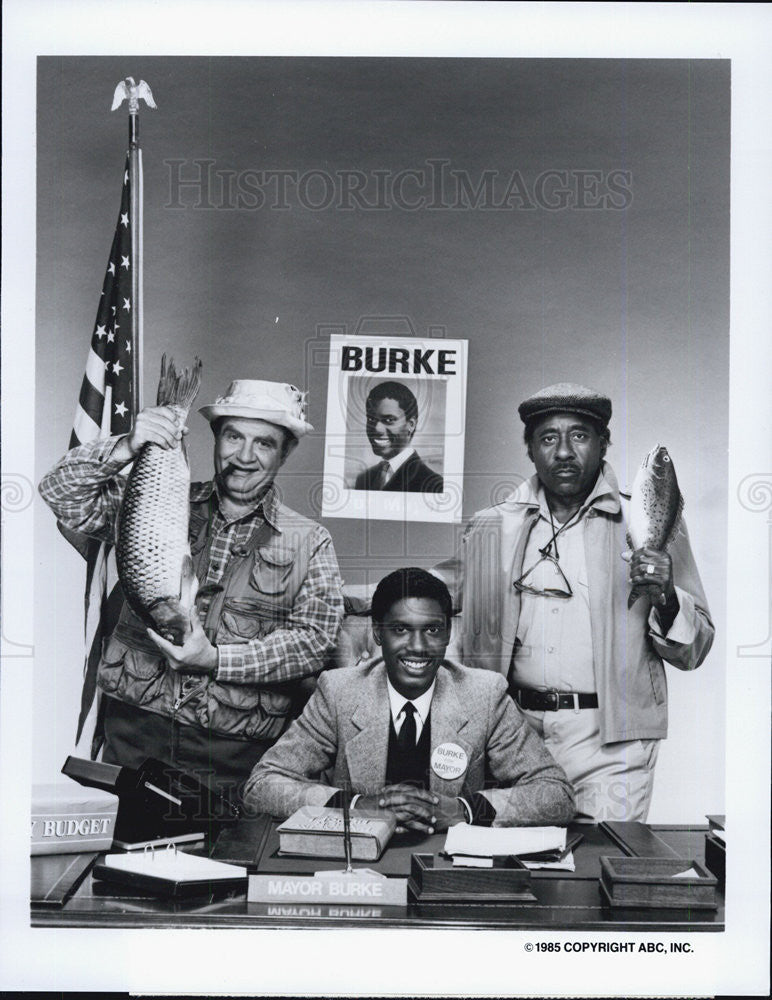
(215, 704)
(544, 588)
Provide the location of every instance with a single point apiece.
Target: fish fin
(178, 389)
(634, 595)
(188, 583)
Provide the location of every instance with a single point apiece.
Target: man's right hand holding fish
(155, 424)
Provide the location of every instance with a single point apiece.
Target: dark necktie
(384, 473)
(406, 736)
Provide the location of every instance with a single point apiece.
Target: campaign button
(449, 761)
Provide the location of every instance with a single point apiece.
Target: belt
(552, 700)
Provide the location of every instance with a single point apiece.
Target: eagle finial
(133, 91)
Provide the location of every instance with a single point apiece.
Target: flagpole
(135, 221)
(127, 88)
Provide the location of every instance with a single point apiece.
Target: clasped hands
(415, 808)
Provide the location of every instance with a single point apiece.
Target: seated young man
(422, 737)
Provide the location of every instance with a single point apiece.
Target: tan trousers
(612, 782)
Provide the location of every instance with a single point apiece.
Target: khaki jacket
(628, 649)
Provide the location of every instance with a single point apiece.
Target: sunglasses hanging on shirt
(561, 588)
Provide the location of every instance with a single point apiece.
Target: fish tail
(178, 390)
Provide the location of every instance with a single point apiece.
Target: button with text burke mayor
(449, 761)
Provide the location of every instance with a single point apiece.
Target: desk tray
(649, 882)
(434, 879)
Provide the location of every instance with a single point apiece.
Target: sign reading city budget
(394, 448)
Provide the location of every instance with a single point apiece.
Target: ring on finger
(650, 569)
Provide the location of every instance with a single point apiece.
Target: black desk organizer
(155, 799)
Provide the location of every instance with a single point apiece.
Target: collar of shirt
(399, 460)
(422, 704)
(267, 505)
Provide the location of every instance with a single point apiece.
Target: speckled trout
(152, 550)
(655, 506)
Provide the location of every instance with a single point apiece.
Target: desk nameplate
(300, 888)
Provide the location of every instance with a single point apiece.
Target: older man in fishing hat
(272, 603)
(543, 579)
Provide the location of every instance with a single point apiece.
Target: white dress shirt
(396, 463)
(555, 641)
(422, 704)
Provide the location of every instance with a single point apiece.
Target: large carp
(152, 549)
(655, 506)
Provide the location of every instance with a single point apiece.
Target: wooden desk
(564, 900)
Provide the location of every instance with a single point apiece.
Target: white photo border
(447, 962)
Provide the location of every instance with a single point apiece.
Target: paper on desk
(174, 865)
(466, 861)
(487, 841)
(689, 873)
(566, 864)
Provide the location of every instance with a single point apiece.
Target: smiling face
(389, 431)
(413, 637)
(247, 455)
(567, 451)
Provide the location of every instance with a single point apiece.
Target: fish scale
(152, 547)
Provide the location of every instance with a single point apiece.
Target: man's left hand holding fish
(651, 571)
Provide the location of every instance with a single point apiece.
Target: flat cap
(566, 397)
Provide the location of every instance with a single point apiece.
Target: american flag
(106, 393)
(105, 407)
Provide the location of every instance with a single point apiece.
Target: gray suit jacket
(341, 741)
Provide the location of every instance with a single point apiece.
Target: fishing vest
(259, 587)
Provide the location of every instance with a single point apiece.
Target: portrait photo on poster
(394, 446)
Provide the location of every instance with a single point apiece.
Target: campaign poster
(394, 445)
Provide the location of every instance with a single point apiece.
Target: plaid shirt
(85, 491)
